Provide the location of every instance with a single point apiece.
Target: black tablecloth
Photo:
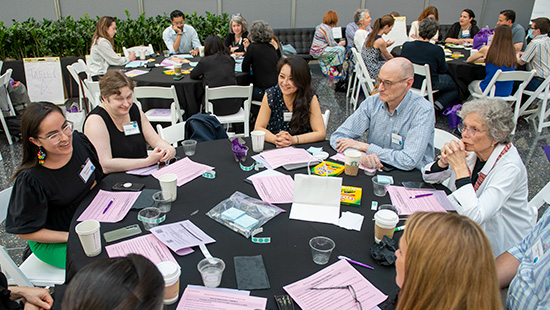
(287, 258)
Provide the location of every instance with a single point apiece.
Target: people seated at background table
(59, 168)
(508, 17)
(430, 11)
(217, 69)
(131, 282)
(261, 56)
(351, 28)
(501, 54)
(238, 32)
(464, 30)
(525, 269)
(363, 31)
(31, 297)
(445, 261)
(422, 52)
(485, 173)
(400, 123)
(330, 54)
(102, 54)
(375, 52)
(537, 53)
(120, 131)
(181, 38)
(293, 94)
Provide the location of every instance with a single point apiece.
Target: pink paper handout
(275, 189)
(186, 170)
(400, 198)
(148, 246)
(102, 210)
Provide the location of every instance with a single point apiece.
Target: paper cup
(169, 186)
(385, 222)
(258, 140)
(142, 54)
(177, 69)
(201, 51)
(352, 162)
(88, 233)
(211, 270)
(171, 273)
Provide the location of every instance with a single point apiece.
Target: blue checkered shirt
(413, 120)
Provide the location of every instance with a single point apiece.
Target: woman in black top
(464, 30)
(262, 56)
(120, 131)
(59, 168)
(218, 69)
(238, 33)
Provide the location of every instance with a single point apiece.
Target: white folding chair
(426, 89)
(135, 49)
(95, 93)
(171, 115)
(172, 134)
(75, 70)
(542, 197)
(8, 110)
(363, 79)
(326, 116)
(542, 112)
(520, 76)
(441, 137)
(232, 91)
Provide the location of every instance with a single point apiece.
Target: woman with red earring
(58, 169)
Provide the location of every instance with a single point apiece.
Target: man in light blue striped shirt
(526, 268)
(400, 123)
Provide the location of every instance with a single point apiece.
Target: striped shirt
(412, 124)
(537, 55)
(530, 288)
(323, 37)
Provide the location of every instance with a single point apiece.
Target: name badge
(466, 33)
(287, 116)
(396, 139)
(87, 170)
(538, 251)
(131, 128)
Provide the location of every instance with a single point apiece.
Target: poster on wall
(44, 79)
(398, 34)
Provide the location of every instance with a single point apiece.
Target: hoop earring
(41, 156)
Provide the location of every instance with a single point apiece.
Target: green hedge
(70, 37)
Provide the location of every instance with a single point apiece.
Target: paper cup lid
(352, 153)
(168, 177)
(170, 271)
(386, 218)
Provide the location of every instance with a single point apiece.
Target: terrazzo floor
(526, 139)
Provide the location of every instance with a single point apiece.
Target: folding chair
(4, 83)
(172, 134)
(542, 197)
(426, 89)
(362, 81)
(135, 49)
(326, 116)
(542, 112)
(232, 91)
(171, 115)
(441, 137)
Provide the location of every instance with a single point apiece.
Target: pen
(108, 205)
(400, 228)
(421, 195)
(354, 262)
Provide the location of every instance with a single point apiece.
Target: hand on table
(343, 144)
(194, 52)
(157, 155)
(370, 161)
(283, 139)
(34, 297)
(132, 56)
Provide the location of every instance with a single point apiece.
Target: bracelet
(297, 140)
(179, 34)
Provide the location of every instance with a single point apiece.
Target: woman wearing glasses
(120, 131)
(58, 169)
(486, 175)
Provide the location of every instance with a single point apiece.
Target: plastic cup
(88, 233)
(258, 139)
(352, 162)
(385, 222)
(162, 201)
(177, 69)
(171, 273)
(379, 188)
(211, 270)
(166, 53)
(169, 186)
(189, 147)
(321, 248)
(150, 217)
(201, 51)
(142, 54)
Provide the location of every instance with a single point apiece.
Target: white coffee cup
(171, 273)
(88, 233)
(169, 185)
(201, 51)
(352, 162)
(142, 54)
(177, 69)
(385, 222)
(258, 140)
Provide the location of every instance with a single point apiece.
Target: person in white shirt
(485, 173)
(102, 54)
(179, 37)
(364, 29)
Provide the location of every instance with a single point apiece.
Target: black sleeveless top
(123, 146)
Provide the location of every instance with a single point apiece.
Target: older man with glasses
(400, 123)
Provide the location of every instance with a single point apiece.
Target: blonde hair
(449, 265)
(101, 30)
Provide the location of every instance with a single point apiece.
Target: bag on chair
(204, 127)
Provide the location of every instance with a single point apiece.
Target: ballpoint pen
(354, 262)
(420, 195)
(108, 205)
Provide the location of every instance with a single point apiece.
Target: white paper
(351, 221)
(316, 199)
(337, 32)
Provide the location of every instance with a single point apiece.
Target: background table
(287, 258)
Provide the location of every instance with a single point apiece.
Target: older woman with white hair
(485, 173)
(238, 33)
(364, 21)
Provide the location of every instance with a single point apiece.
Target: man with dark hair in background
(508, 17)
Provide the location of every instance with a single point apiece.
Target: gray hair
(359, 15)
(428, 27)
(495, 113)
(260, 32)
(239, 20)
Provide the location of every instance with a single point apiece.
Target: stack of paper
(147, 245)
(186, 170)
(407, 203)
(181, 236)
(286, 156)
(274, 189)
(200, 298)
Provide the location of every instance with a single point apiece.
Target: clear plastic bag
(243, 214)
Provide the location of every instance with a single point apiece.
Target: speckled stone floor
(526, 139)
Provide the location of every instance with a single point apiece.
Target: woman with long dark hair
(59, 168)
(217, 69)
(375, 52)
(293, 94)
(102, 53)
(464, 30)
(501, 54)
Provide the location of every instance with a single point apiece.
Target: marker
(400, 228)
(354, 262)
(108, 205)
(421, 195)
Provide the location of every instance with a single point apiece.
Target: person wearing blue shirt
(179, 37)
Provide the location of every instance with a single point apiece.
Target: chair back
(172, 134)
(364, 75)
(326, 116)
(135, 49)
(10, 269)
(4, 82)
(228, 92)
(441, 137)
(148, 92)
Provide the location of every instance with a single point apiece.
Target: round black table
(287, 258)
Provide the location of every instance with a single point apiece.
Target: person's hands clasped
(370, 161)
(283, 139)
(342, 43)
(246, 43)
(343, 144)
(157, 155)
(35, 297)
(194, 52)
(454, 153)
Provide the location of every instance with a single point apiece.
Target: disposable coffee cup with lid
(385, 222)
(171, 273)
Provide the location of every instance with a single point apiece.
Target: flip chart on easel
(44, 79)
